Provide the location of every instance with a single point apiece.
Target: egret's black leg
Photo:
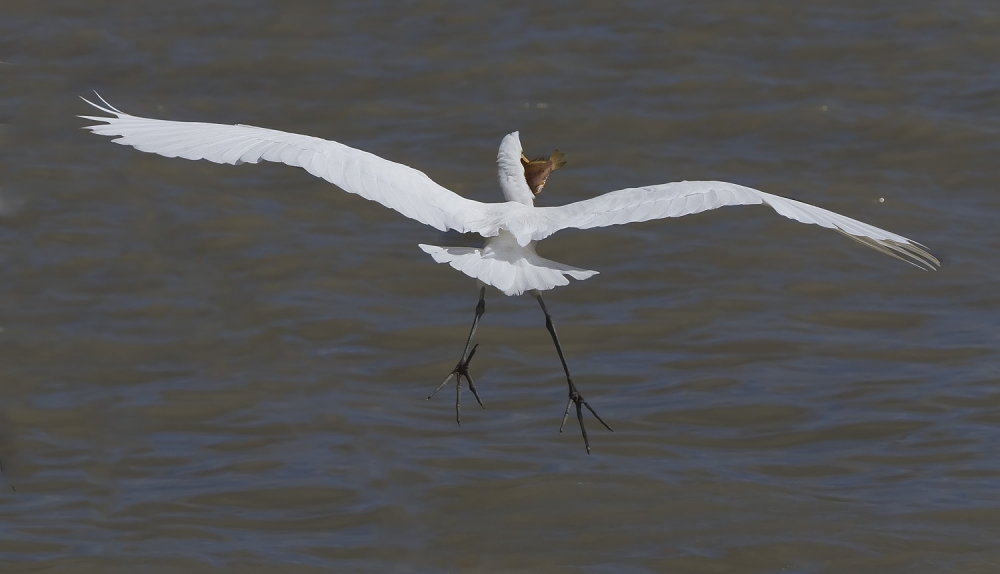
(574, 395)
(462, 368)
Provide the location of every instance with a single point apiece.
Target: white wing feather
(416, 196)
(687, 197)
(394, 185)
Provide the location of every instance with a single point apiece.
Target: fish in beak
(536, 171)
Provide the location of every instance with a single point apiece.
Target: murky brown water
(209, 367)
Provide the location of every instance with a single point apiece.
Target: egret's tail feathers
(513, 277)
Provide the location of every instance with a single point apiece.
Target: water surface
(214, 367)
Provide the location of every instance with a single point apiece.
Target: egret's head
(536, 171)
(522, 179)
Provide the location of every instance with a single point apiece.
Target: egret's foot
(576, 398)
(462, 370)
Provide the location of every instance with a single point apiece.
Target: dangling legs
(574, 395)
(462, 368)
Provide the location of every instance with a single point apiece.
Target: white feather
(510, 171)
(507, 266)
(345, 167)
(507, 260)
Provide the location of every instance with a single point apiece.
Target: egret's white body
(507, 260)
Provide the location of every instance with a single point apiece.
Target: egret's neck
(510, 172)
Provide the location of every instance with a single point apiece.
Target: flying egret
(507, 260)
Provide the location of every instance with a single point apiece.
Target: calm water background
(213, 367)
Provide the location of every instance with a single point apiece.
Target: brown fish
(536, 171)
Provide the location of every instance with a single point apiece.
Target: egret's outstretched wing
(687, 197)
(394, 185)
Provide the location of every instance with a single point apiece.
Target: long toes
(583, 429)
(475, 393)
(441, 386)
(565, 414)
(458, 402)
(596, 416)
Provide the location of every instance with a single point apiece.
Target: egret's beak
(536, 171)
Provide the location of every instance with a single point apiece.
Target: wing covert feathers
(687, 197)
(394, 185)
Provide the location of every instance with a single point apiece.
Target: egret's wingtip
(117, 111)
(108, 110)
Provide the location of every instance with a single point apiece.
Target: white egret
(507, 260)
